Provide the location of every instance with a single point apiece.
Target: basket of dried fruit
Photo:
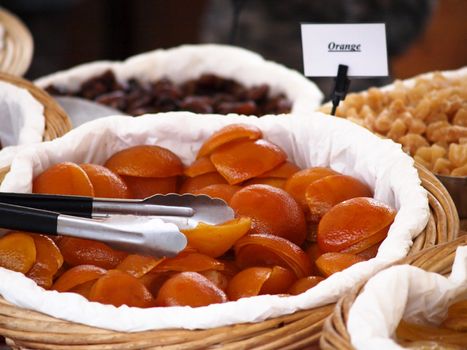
(268, 278)
(427, 309)
(198, 78)
(32, 116)
(427, 115)
(16, 44)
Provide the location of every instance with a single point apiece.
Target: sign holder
(341, 87)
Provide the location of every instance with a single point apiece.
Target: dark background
(423, 35)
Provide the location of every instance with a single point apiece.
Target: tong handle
(15, 217)
(69, 205)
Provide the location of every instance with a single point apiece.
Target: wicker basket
(33, 330)
(57, 122)
(437, 259)
(16, 53)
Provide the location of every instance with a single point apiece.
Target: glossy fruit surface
(195, 262)
(200, 166)
(303, 284)
(48, 261)
(193, 184)
(77, 251)
(248, 282)
(243, 160)
(189, 289)
(17, 252)
(297, 184)
(352, 221)
(330, 263)
(272, 211)
(63, 178)
(322, 194)
(215, 240)
(138, 265)
(76, 276)
(283, 171)
(120, 288)
(227, 134)
(222, 191)
(270, 250)
(142, 187)
(106, 183)
(145, 161)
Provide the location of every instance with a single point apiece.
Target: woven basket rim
(437, 259)
(18, 42)
(31, 329)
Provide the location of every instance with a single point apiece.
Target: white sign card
(362, 47)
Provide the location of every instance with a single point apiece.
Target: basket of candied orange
(320, 204)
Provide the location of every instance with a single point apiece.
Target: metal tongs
(132, 225)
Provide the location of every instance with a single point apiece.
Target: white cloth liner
(190, 61)
(404, 292)
(21, 120)
(311, 140)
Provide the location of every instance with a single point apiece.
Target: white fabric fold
(21, 120)
(404, 292)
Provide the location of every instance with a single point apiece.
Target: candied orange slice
(272, 211)
(227, 134)
(142, 187)
(322, 194)
(48, 261)
(367, 243)
(120, 288)
(271, 181)
(215, 240)
(77, 276)
(153, 281)
(352, 221)
(193, 184)
(370, 252)
(313, 253)
(78, 251)
(83, 289)
(63, 178)
(145, 161)
(189, 289)
(242, 160)
(17, 252)
(303, 284)
(189, 262)
(217, 277)
(105, 182)
(296, 185)
(248, 282)
(200, 166)
(279, 281)
(138, 265)
(269, 250)
(222, 191)
(283, 171)
(330, 263)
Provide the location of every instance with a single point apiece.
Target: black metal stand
(341, 87)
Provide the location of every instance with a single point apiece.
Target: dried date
(207, 94)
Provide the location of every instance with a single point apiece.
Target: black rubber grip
(15, 217)
(68, 205)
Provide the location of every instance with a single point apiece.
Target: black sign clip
(341, 87)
